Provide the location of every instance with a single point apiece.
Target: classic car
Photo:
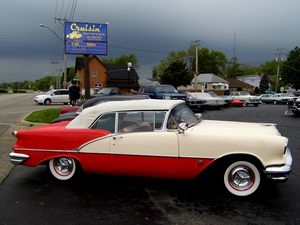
(209, 99)
(237, 103)
(277, 98)
(246, 97)
(157, 138)
(294, 106)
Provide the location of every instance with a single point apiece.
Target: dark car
(163, 91)
(97, 100)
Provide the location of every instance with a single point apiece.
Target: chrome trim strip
(92, 141)
(44, 150)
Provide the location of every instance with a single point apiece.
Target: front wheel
(62, 168)
(241, 178)
(245, 104)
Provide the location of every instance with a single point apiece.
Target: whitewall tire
(242, 178)
(62, 168)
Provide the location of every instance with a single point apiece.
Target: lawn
(43, 116)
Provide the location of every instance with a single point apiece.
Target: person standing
(74, 93)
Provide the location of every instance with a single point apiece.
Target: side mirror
(198, 115)
(183, 126)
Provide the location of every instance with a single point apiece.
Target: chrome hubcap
(241, 178)
(63, 166)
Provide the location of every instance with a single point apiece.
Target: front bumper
(17, 158)
(280, 173)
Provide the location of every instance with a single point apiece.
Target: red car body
(237, 103)
(67, 109)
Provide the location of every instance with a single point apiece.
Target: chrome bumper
(280, 173)
(17, 158)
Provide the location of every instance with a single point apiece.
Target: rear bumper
(17, 158)
(280, 173)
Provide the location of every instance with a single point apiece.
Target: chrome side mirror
(198, 115)
(183, 127)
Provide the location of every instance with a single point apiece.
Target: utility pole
(279, 58)
(195, 44)
(62, 23)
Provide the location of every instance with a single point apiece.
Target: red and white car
(156, 138)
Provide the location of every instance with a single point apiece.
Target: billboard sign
(85, 38)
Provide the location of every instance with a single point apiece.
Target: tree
(264, 83)
(290, 72)
(269, 67)
(176, 74)
(123, 59)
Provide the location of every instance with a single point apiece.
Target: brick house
(106, 75)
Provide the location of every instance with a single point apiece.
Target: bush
(3, 91)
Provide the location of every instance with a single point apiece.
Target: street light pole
(196, 44)
(65, 83)
(129, 66)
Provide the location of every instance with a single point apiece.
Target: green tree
(290, 72)
(264, 83)
(176, 74)
(269, 67)
(44, 83)
(123, 59)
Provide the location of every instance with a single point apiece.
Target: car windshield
(165, 89)
(213, 94)
(48, 92)
(181, 114)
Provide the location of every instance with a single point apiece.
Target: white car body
(210, 99)
(53, 96)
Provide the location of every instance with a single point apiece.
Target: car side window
(105, 122)
(159, 120)
(135, 121)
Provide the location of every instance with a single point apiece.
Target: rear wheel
(274, 102)
(241, 178)
(62, 168)
(245, 104)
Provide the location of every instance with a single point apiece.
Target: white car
(209, 99)
(277, 98)
(53, 96)
(246, 97)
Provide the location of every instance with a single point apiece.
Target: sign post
(86, 39)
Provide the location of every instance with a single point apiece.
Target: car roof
(88, 115)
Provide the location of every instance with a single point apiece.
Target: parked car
(95, 101)
(109, 91)
(157, 138)
(246, 97)
(277, 98)
(237, 103)
(294, 106)
(163, 91)
(53, 96)
(209, 99)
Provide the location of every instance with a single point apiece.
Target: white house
(253, 80)
(210, 81)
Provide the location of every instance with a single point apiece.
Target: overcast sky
(160, 26)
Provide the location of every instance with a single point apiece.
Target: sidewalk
(6, 142)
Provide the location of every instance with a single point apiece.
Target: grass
(43, 116)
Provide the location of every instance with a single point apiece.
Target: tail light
(14, 133)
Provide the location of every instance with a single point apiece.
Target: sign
(85, 38)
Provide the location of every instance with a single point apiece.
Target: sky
(148, 29)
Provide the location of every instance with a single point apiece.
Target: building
(106, 75)
(210, 82)
(237, 85)
(253, 80)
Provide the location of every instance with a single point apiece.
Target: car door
(142, 151)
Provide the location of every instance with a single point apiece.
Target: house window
(205, 86)
(94, 73)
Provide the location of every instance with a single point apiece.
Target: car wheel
(275, 102)
(242, 178)
(47, 101)
(256, 105)
(245, 104)
(62, 168)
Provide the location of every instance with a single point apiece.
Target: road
(31, 196)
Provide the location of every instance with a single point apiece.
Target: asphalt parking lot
(32, 196)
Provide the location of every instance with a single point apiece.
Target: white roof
(88, 115)
(209, 78)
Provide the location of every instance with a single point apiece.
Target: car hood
(172, 94)
(236, 128)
